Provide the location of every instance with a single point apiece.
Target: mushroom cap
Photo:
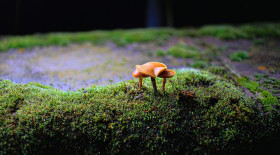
(137, 74)
(152, 69)
(167, 74)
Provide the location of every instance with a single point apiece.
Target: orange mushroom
(166, 74)
(150, 69)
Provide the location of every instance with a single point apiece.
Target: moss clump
(261, 30)
(223, 31)
(251, 85)
(268, 99)
(182, 51)
(161, 53)
(122, 119)
(258, 76)
(242, 31)
(238, 56)
(217, 70)
(200, 64)
(265, 97)
(260, 41)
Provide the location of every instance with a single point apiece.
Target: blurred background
(18, 17)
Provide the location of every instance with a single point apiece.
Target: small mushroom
(152, 69)
(166, 74)
(139, 75)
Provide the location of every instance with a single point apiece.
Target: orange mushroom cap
(167, 74)
(137, 74)
(152, 69)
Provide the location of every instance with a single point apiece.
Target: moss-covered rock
(198, 113)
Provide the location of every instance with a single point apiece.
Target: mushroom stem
(140, 82)
(154, 84)
(163, 84)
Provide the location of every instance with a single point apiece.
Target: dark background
(19, 17)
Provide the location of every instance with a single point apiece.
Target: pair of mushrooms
(153, 70)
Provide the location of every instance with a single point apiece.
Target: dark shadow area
(27, 17)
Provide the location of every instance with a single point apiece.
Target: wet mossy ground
(199, 112)
(226, 107)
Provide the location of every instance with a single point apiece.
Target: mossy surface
(183, 51)
(198, 113)
(239, 56)
(200, 64)
(217, 70)
(161, 53)
(120, 37)
(241, 31)
(124, 37)
(269, 101)
(180, 50)
(223, 31)
(251, 85)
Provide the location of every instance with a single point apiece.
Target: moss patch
(239, 56)
(120, 37)
(223, 31)
(198, 113)
(180, 50)
(242, 31)
(267, 99)
(200, 64)
(124, 37)
(183, 51)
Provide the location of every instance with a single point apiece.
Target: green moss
(258, 76)
(161, 53)
(261, 30)
(120, 37)
(200, 64)
(223, 31)
(266, 85)
(268, 99)
(260, 41)
(122, 119)
(239, 56)
(251, 85)
(182, 51)
(217, 70)
(275, 91)
(242, 31)
(179, 52)
(124, 37)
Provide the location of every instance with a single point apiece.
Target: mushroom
(166, 74)
(152, 69)
(139, 75)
